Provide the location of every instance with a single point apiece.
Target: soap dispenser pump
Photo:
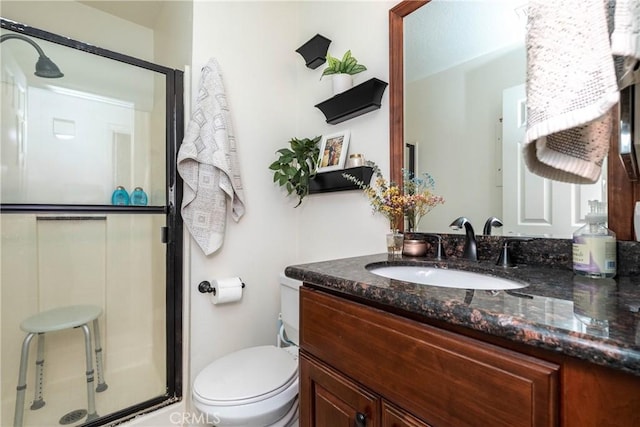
(594, 245)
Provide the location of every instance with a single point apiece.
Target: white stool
(57, 319)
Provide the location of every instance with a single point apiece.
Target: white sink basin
(444, 277)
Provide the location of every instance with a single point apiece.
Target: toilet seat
(253, 386)
(246, 376)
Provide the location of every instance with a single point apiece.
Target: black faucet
(470, 247)
(492, 221)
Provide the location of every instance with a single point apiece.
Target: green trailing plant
(295, 166)
(348, 65)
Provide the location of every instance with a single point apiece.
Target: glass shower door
(67, 145)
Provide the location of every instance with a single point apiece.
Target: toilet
(256, 386)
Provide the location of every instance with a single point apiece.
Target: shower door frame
(172, 234)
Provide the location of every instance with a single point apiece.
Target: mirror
(456, 126)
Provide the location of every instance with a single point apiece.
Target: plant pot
(414, 247)
(341, 83)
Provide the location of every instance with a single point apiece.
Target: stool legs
(91, 396)
(102, 386)
(22, 381)
(38, 401)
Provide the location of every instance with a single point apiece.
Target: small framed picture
(333, 151)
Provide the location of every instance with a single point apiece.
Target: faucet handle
(505, 259)
(439, 248)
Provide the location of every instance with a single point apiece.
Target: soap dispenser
(594, 245)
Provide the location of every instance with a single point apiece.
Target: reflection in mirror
(464, 100)
(94, 121)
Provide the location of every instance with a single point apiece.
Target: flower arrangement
(419, 198)
(385, 198)
(388, 199)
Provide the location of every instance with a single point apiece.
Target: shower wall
(52, 261)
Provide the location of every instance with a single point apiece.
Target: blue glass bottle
(138, 197)
(120, 197)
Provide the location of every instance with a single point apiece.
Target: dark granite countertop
(597, 320)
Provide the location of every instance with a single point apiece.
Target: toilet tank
(290, 306)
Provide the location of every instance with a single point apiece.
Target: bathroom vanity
(383, 352)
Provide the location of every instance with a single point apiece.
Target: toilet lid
(246, 376)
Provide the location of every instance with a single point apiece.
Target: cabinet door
(328, 399)
(396, 417)
(444, 378)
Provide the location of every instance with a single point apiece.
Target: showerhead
(47, 69)
(45, 66)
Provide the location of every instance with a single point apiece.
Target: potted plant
(342, 71)
(295, 166)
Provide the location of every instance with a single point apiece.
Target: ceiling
(140, 12)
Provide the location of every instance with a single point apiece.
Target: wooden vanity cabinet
(332, 399)
(359, 361)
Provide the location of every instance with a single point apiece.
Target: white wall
(172, 35)
(464, 109)
(272, 97)
(335, 225)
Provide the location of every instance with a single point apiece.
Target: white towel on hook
(571, 89)
(208, 164)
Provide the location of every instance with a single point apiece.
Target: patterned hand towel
(208, 164)
(571, 88)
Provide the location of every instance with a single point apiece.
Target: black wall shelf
(327, 182)
(354, 102)
(314, 51)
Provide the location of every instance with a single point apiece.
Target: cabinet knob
(361, 419)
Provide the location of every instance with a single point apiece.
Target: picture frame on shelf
(333, 151)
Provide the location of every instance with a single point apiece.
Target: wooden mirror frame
(621, 192)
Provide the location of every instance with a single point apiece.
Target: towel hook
(205, 287)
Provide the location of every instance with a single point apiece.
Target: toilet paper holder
(205, 288)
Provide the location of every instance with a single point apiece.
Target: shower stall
(68, 141)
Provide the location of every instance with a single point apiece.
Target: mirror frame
(621, 192)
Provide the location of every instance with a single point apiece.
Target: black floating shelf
(326, 182)
(354, 102)
(314, 51)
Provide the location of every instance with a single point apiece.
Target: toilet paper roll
(226, 290)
